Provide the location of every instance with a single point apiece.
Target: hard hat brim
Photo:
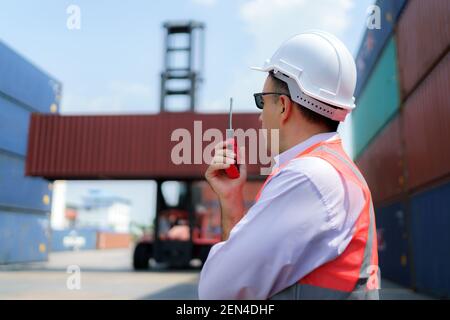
(261, 69)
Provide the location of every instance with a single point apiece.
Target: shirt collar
(289, 154)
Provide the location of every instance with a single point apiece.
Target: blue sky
(112, 64)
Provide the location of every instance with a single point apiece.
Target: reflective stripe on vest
(354, 273)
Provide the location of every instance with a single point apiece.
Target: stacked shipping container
(74, 239)
(112, 240)
(24, 201)
(401, 128)
(88, 239)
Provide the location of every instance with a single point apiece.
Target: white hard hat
(319, 70)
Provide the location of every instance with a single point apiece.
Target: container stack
(400, 129)
(24, 201)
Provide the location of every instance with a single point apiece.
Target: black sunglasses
(259, 100)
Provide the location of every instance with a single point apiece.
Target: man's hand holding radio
(229, 191)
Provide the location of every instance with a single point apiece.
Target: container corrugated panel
(18, 191)
(427, 128)
(14, 122)
(22, 81)
(73, 239)
(379, 100)
(374, 40)
(23, 237)
(392, 232)
(423, 37)
(124, 147)
(382, 163)
(431, 240)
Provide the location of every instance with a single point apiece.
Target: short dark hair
(311, 116)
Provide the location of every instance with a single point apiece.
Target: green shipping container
(379, 100)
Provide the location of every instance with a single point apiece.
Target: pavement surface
(104, 274)
(108, 274)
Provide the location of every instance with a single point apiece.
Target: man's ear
(286, 108)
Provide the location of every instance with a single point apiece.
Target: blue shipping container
(379, 101)
(23, 237)
(74, 239)
(393, 244)
(22, 81)
(431, 240)
(14, 121)
(374, 40)
(18, 191)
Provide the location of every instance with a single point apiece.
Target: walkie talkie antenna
(233, 170)
(230, 126)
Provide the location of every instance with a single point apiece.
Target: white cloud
(271, 22)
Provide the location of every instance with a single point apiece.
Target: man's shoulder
(311, 167)
(317, 170)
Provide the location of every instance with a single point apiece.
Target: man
(311, 233)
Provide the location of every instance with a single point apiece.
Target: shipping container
(23, 237)
(379, 100)
(26, 84)
(431, 240)
(426, 128)
(403, 154)
(14, 122)
(375, 40)
(129, 146)
(382, 164)
(393, 254)
(111, 240)
(24, 202)
(73, 239)
(423, 37)
(18, 191)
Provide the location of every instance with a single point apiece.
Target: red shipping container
(382, 165)
(123, 146)
(426, 128)
(423, 37)
(110, 240)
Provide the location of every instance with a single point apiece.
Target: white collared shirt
(304, 218)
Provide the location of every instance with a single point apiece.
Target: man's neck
(295, 150)
(300, 137)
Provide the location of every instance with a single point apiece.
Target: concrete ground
(104, 274)
(108, 274)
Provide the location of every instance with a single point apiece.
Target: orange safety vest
(354, 274)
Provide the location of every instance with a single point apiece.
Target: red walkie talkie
(233, 171)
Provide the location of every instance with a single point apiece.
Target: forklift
(180, 231)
